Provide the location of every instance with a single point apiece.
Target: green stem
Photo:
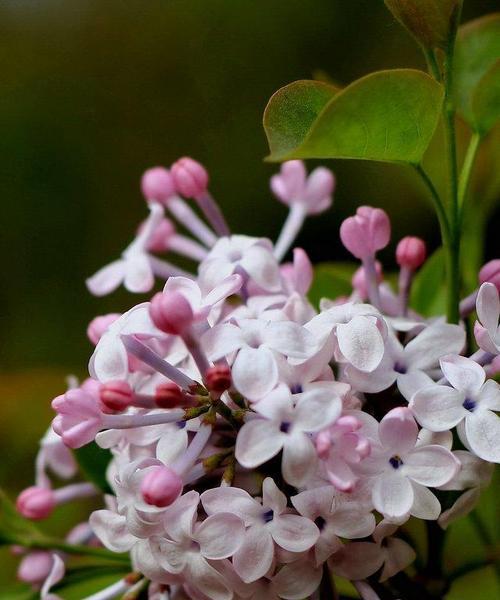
(75, 549)
(486, 539)
(466, 173)
(432, 64)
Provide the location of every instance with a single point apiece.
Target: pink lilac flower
(487, 328)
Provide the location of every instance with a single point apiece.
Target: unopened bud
(36, 503)
(98, 326)
(490, 273)
(157, 184)
(169, 395)
(411, 253)
(190, 177)
(35, 567)
(171, 312)
(218, 378)
(366, 232)
(116, 395)
(161, 486)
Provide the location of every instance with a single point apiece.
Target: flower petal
(438, 407)
(257, 442)
(111, 529)
(361, 343)
(220, 535)
(139, 276)
(463, 373)
(482, 429)
(255, 556)
(425, 504)
(294, 533)
(357, 560)
(398, 430)
(488, 306)
(299, 458)
(205, 577)
(392, 495)
(262, 267)
(107, 279)
(297, 581)
(431, 466)
(425, 350)
(234, 500)
(255, 372)
(221, 340)
(316, 409)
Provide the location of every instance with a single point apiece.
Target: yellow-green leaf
(387, 116)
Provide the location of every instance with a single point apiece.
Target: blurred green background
(93, 92)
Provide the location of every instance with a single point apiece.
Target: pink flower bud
(157, 184)
(171, 312)
(116, 395)
(218, 378)
(36, 503)
(161, 486)
(366, 232)
(411, 253)
(35, 567)
(169, 395)
(79, 417)
(99, 325)
(289, 183)
(190, 177)
(490, 273)
(359, 282)
(160, 238)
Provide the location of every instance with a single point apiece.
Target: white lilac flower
(469, 404)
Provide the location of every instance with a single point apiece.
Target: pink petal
(234, 500)
(357, 560)
(399, 555)
(488, 306)
(205, 577)
(273, 497)
(398, 431)
(255, 556)
(139, 276)
(297, 581)
(111, 529)
(107, 279)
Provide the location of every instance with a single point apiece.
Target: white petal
(254, 558)
(290, 339)
(357, 560)
(225, 288)
(462, 506)
(262, 267)
(257, 442)
(55, 576)
(109, 361)
(107, 279)
(316, 409)
(272, 496)
(294, 533)
(111, 529)
(297, 581)
(488, 306)
(139, 276)
(425, 504)
(255, 372)
(410, 383)
(489, 396)
(361, 343)
(430, 465)
(181, 515)
(473, 472)
(463, 373)
(222, 340)
(171, 445)
(299, 458)
(399, 555)
(438, 407)
(234, 500)
(392, 495)
(206, 578)
(351, 524)
(482, 429)
(424, 351)
(220, 535)
(188, 288)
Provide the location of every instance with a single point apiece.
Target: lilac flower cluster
(256, 440)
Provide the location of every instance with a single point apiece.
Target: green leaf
(18, 591)
(477, 77)
(387, 116)
(429, 21)
(486, 100)
(331, 280)
(93, 461)
(428, 294)
(82, 582)
(13, 527)
(291, 112)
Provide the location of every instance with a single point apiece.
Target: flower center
(296, 389)
(395, 461)
(285, 427)
(320, 523)
(469, 404)
(267, 516)
(400, 368)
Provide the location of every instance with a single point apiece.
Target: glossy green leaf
(387, 116)
(84, 581)
(291, 112)
(477, 77)
(93, 461)
(428, 294)
(429, 21)
(331, 280)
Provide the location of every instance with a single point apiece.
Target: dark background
(93, 92)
